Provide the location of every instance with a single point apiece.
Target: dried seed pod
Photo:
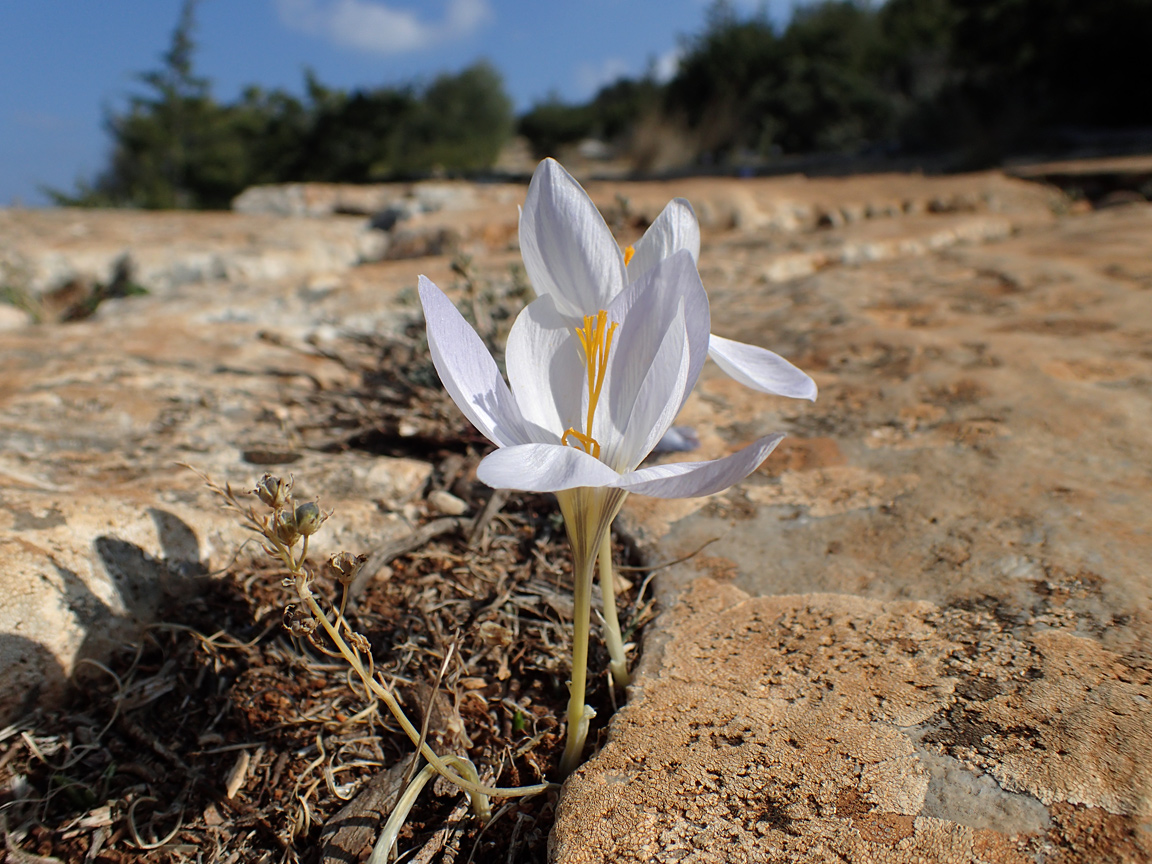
(273, 491)
(299, 622)
(360, 643)
(309, 518)
(345, 566)
(284, 527)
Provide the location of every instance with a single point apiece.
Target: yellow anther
(590, 444)
(629, 251)
(595, 341)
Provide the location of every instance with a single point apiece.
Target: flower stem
(464, 776)
(612, 637)
(403, 806)
(473, 788)
(579, 714)
(588, 514)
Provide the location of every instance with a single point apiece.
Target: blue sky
(64, 63)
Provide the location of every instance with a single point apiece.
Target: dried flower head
(297, 621)
(309, 518)
(345, 566)
(273, 491)
(360, 643)
(284, 527)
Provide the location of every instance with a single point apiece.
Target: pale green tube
(612, 637)
(588, 514)
(579, 714)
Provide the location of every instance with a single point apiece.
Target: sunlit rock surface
(923, 632)
(42, 251)
(99, 518)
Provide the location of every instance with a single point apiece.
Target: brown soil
(220, 698)
(147, 745)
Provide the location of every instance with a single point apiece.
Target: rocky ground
(919, 632)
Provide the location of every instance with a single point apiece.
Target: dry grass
(220, 737)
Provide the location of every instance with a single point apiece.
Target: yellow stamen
(629, 251)
(595, 341)
(586, 442)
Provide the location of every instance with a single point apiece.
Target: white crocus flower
(587, 403)
(571, 257)
(581, 277)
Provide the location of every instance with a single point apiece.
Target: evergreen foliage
(1041, 68)
(976, 78)
(178, 147)
(611, 115)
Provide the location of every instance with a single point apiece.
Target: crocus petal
(675, 228)
(543, 468)
(544, 368)
(694, 479)
(761, 369)
(655, 296)
(656, 402)
(468, 371)
(568, 250)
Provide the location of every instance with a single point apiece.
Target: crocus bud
(345, 566)
(309, 518)
(273, 491)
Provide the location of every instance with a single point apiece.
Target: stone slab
(924, 632)
(44, 250)
(98, 520)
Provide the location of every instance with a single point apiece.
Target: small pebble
(447, 503)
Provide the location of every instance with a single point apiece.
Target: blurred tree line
(178, 147)
(978, 79)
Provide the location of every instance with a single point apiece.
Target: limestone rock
(43, 250)
(447, 504)
(451, 218)
(969, 491)
(421, 219)
(816, 727)
(98, 520)
(402, 199)
(924, 632)
(13, 318)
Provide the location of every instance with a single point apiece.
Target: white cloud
(378, 28)
(665, 67)
(593, 75)
(590, 77)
